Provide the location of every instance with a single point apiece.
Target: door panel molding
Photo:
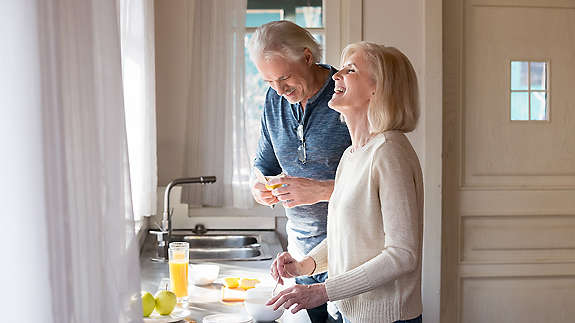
(537, 4)
(526, 299)
(504, 239)
(516, 270)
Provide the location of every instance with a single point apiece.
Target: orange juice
(179, 278)
(271, 187)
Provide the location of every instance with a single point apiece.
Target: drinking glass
(179, 258)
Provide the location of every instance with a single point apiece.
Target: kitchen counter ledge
(206, 300)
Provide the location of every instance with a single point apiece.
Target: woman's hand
(305, 296)
(262, 195)
(287, 267)
(296, 191)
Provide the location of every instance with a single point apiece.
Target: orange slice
(247, 283)
(232, 282)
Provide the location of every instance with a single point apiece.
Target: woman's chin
(334, 104)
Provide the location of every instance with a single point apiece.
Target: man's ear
(308, 56)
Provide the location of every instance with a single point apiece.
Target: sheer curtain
(137, 45)
(74, 256)
(24, 273)
(215, 127)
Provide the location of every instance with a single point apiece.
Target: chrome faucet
(164, 236)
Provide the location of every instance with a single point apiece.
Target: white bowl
(204, 274)
(255, 301)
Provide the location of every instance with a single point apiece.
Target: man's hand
(300, 191)
(262, 195)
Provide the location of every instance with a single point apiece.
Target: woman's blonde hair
(395, 105)
(283, 38)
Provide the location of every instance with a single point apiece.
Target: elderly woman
(375, 219)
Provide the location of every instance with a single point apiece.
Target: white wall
(414, 27)
(399, 24)
(171, 93)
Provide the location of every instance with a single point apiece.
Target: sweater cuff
(348, 284)
(319, 255)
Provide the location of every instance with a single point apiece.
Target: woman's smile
(339, 90)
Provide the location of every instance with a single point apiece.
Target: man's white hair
(282, 38)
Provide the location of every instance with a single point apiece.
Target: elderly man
(301, 137)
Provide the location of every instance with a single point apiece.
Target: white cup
(255, 301)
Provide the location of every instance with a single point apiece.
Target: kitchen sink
(223, 246)
(244, 253)
(221, 241)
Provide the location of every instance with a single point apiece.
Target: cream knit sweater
(374, 232)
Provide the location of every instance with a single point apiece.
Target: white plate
(177, 314)
(227, 318)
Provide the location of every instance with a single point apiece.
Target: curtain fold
(94, 266)
(24, 274)
(215, 126)
(138, 74)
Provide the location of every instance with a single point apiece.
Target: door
(509, 177)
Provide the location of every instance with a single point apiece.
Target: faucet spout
(166, 215)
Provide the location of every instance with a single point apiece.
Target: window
(138, 71)
(529, 95)
(307, 14)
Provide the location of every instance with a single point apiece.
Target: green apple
(148, 303)
(165, 302)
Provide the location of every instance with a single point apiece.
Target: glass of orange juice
(179, 258)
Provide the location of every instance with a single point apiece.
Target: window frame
(547, 90)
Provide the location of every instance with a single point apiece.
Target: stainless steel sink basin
(223, 246)
(221, 241)
(244, 253)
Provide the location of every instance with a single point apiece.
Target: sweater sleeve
(393, 176)
(319, 255)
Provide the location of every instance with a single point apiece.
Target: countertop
(206, 300)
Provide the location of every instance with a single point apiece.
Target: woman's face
(354, 86)
(290, 79)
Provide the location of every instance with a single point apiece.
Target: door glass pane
(519, 106)
(538, 106)
(538, 76)
(519, 75)
(306, 13)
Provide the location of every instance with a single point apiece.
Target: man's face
(288, 78)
